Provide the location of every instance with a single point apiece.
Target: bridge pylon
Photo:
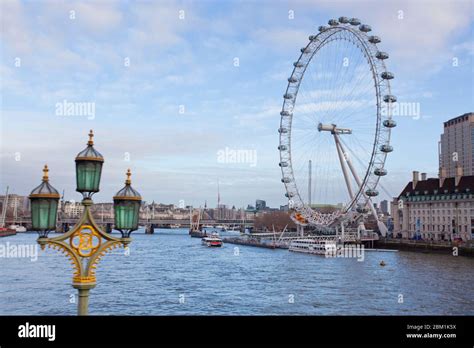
(149, 229)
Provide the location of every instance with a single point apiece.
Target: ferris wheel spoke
(339, 80)
(351, 82)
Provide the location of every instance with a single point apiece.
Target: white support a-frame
(344, 159)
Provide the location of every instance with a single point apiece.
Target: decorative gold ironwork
(63, 248)
(82, 280)
(85, 241)
(85, 244)
(97, 159)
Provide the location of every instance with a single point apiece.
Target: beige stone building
(72, 209)
(435, 208)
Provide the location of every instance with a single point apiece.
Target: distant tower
(219, 215)
(309, 182)
(218, 194)
(260, 204)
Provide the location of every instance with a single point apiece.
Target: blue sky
(188, 63)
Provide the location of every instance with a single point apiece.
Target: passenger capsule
(298, 64)
(282, 147)
(372, 193)
(389, 98)
(333, 22)
(355, 21)
(362, 209)
(389, 123)
(381, 55)
(386, 148)
(380, 171)
(322, 28)
(344, 20)
(306, 50)
(374, 39)
(386, 75)
(365, 28)
(311, 37)
(282, 130)
(283, 164)
(292, 79)
(285, 113)
(285, 180)
(289, 195)
(288, 96)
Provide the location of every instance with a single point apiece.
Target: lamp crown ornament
(90, 153)
(128, 192)
(45, 173)
(91, 138)
(129, 174)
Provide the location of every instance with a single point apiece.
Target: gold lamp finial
(129, 174)
(45, 173)
(91, 136)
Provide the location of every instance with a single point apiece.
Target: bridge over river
(150, 224)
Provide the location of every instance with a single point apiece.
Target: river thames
(169, 273)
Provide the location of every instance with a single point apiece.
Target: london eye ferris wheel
(335, 125)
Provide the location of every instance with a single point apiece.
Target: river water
(169, 273)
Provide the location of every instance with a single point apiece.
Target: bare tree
(274, 219)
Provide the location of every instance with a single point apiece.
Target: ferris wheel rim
(377, 68)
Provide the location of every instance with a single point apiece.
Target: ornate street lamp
(88, 169)
(86, 243)
(44, 206)
(126, 207)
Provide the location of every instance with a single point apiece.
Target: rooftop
(431, 186)
(469, 116)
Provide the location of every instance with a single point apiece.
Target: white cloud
(15, 31)
(467, 46)
(423, 34)
(98, 16)
(159, 23)
(281, 38)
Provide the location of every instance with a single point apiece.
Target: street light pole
(86, 243)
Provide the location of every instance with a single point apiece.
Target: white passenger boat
(18, 228)
(312, 246)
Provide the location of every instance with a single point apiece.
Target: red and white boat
(212, 240)
(4, 232)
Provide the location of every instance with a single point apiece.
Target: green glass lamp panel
(88, 176)
(43, 214)
(126, 215)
